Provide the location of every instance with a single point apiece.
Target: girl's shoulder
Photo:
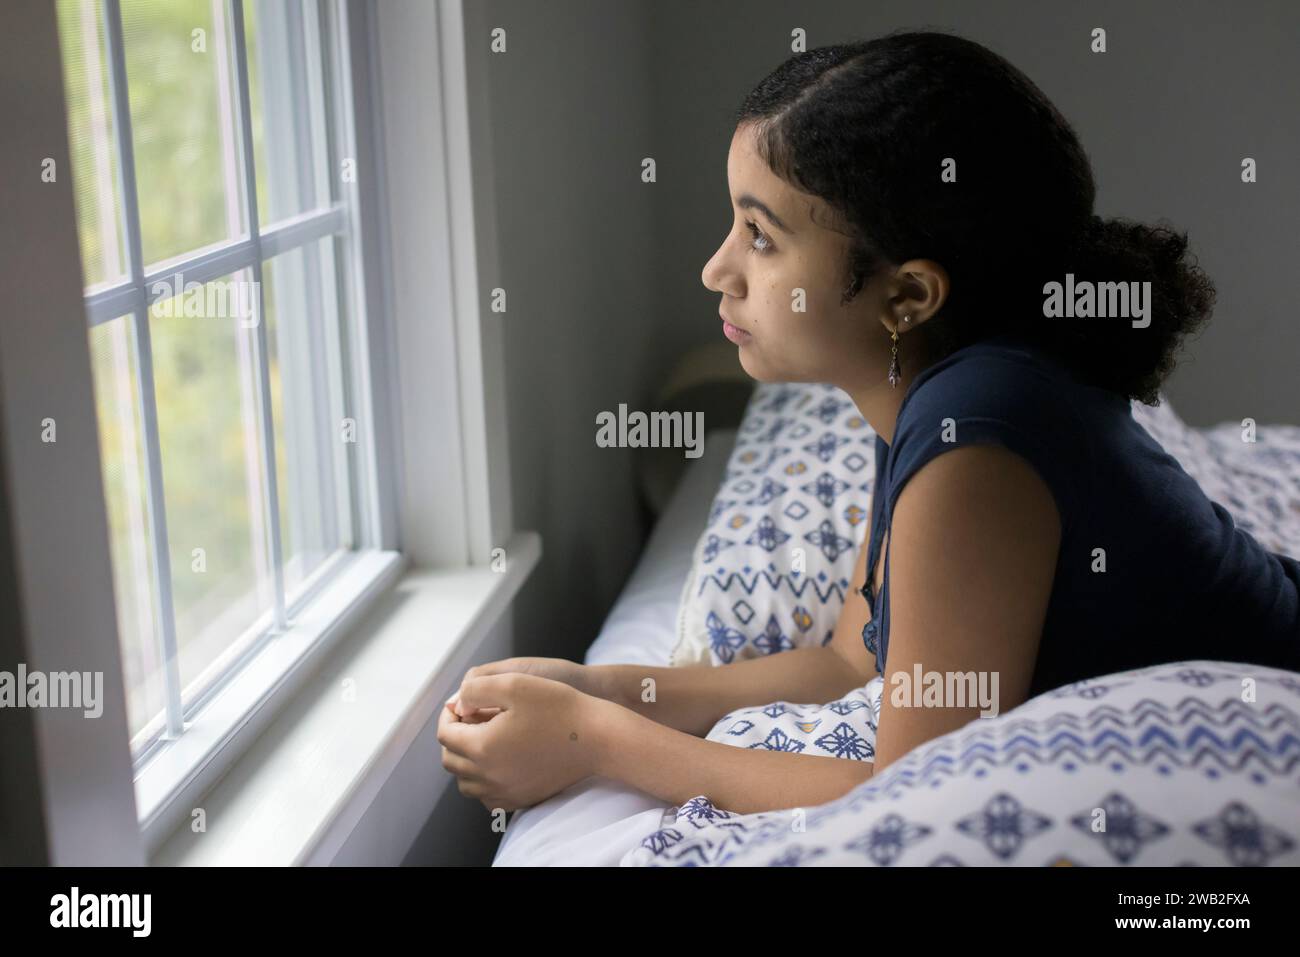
(1003, 391)
(1008, 379)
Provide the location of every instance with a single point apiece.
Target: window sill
(294, 796)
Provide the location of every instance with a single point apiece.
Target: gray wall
(603, 271)
(571, 120)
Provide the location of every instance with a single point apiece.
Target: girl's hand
(539, 740)
(582, 677)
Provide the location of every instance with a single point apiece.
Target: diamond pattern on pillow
(772, 568)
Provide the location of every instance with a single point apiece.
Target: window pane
(213, 497)
(91, 138)
(303, 339)
(286, 91)
(184, 119)
(208, 425)
(122, 451)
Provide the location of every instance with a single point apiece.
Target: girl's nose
(716, 277)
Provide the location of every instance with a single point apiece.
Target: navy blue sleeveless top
(1181, 581)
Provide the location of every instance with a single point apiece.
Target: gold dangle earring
(895, 374)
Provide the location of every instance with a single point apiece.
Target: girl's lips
(735, 334)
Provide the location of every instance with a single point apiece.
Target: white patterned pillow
(1189, 763)
(840, 729)
(1257, 482)
(771, 570)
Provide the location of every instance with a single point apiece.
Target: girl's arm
(675, 766)
(544, 736)
(975, 541)
(513, 739)
(693, 699)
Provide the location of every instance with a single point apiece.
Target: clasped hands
(520, 730)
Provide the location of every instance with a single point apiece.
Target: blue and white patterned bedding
(1194, 763)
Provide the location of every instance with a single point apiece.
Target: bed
(1082, 775)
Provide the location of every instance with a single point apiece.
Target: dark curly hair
(867, 125)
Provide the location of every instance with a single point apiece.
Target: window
(216, 197)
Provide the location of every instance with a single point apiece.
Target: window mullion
(361, 513)
(271, 500)
(109, 301)
(164, 611)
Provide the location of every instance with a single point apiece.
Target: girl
(920, 198)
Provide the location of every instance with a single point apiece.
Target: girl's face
(781, 272)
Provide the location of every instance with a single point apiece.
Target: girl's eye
(761, 243)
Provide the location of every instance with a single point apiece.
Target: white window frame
(202, 735)
(450, 436)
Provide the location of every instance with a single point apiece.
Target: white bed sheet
(595, 822)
